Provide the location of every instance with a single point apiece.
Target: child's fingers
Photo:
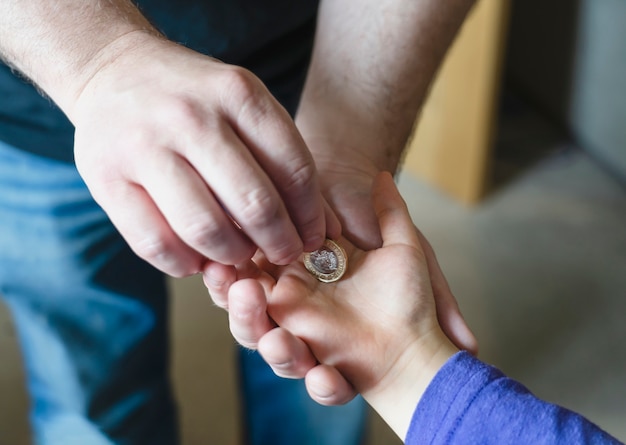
(218, 278)
(288, 356)
(327, 386)
(247, 312)
(396, 226)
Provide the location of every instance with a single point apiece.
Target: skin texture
(247, 177)
(244, 178)
(377, 327)
(372, 64)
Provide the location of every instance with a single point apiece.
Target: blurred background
(517, 175)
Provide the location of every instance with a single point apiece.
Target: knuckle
(185, 114)
(218, 290)
(259, 209)
(246, 94)
(203, 233)
(158, 251)
(153, 249)
(286, 369)
(302, 175)
(240, 83)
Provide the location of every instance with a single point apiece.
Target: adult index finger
(269, 132)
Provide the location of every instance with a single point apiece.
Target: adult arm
(372, 64)
(192, 159)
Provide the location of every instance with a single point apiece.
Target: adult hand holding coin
(196, 164)
(191, 158)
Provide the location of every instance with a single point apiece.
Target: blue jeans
(91, 319)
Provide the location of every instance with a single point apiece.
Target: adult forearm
(61, 44)
(372, 65)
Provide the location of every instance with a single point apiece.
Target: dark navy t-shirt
(272, 38)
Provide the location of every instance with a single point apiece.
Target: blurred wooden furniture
(451, 145)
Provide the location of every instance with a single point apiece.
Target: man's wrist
(124, 53)
(60, 45)
(128, 45)
(333, 139)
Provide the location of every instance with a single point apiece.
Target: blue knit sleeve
(469, 402)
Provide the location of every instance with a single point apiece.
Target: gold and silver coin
(328, 263)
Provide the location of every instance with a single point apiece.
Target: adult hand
(194, 160)
(346, 177)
